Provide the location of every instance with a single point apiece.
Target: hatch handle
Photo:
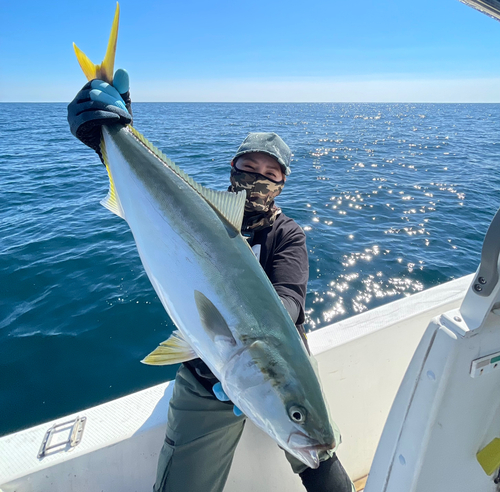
(487, 276)
(75, 428)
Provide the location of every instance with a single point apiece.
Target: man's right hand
(97, 104)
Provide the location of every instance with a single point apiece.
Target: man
(203, 427)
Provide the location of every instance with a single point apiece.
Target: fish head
(284, 399)
(309, 430)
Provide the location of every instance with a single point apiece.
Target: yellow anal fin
(172, 351)
(105, 70)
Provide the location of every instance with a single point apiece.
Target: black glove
(97, 104)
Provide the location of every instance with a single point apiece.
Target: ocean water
(394, 199)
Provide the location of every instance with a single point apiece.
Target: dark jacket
(283, 257)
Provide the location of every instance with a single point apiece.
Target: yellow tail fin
(105, 70)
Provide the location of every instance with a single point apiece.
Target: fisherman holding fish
(204, 426)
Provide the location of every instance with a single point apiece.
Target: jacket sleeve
(289, 271)
(292, 306)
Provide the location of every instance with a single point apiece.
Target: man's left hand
(97, 104)
(221, 395)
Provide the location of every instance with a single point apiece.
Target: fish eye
(297, 414)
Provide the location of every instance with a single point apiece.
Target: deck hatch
(73, 429)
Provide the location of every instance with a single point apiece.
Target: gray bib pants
(201, 438)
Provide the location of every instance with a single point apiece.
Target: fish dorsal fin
(174, 350)
(230, 205)
(111, 201)
(211, 318)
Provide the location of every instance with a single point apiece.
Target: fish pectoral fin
(104, 71)
(211, 318)
(111, 201)
(174, 350)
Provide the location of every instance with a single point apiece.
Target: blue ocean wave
(394, 199)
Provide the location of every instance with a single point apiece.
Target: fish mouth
(307, 449)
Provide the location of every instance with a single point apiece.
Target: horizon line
(270, 102)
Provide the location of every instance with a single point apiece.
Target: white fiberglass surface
(361, 375)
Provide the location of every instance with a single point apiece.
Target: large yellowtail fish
(212, 286)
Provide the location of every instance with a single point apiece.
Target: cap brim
(286, 170)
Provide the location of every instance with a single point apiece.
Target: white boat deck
(362, 361)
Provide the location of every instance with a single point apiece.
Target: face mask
(261, 191)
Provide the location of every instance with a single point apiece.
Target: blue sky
(316, 50)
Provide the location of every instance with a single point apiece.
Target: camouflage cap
(269, 143)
